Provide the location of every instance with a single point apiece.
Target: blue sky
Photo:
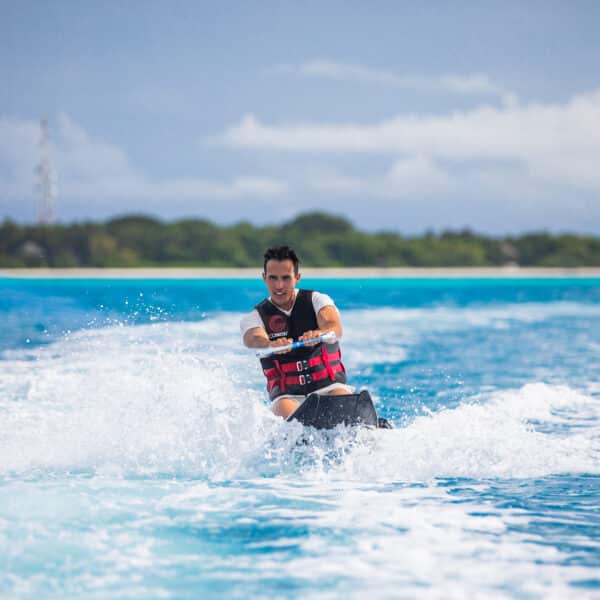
(402, 116)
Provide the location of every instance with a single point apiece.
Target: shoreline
(508, 272)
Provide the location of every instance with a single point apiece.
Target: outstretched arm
(328, 319)
(257, 338)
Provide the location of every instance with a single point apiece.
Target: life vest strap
(303, 365)
(311, 377)
(281, 378)
(328, 367)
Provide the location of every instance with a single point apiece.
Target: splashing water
(139, 460)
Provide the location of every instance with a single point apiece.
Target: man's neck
(289, 305)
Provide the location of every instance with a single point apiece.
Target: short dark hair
(281, 253)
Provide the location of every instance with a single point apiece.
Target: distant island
(321, 240)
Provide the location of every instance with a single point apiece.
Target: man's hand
(281, 342)
(310, 335)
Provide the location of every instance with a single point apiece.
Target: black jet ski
(326, 412)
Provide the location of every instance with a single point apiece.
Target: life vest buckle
(302, 365)
(304, 379)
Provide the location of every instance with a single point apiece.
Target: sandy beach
(508, 272)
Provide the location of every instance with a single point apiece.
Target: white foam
(175, 398)
(411, 540)
(503, 435)
(161, 397)
(184, 400)
(389, 333)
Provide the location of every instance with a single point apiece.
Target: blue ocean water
(138, 458)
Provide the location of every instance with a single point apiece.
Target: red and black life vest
(303, 370)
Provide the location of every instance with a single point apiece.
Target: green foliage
(320, 240)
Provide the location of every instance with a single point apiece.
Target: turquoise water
(138, 459)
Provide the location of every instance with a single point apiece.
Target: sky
(401, 116)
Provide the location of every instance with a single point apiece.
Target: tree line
(321, 240)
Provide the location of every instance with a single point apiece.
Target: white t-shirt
(252, 319)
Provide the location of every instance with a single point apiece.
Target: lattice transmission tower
(45, 178)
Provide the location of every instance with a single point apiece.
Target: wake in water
(115, 400)
(141, 461)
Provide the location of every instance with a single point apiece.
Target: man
(290, 314)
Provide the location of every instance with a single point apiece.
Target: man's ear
(298, 277)
(264, 276)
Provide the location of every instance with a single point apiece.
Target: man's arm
(257, 338)
(328, 319)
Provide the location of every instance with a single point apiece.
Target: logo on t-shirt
(278, 325)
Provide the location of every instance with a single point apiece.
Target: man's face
(281, 280)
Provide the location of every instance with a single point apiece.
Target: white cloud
(410, 177)
(473, 84)
(550, 143)
(91, 168)
(414, 175)
(519, 165)
(18, 155)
